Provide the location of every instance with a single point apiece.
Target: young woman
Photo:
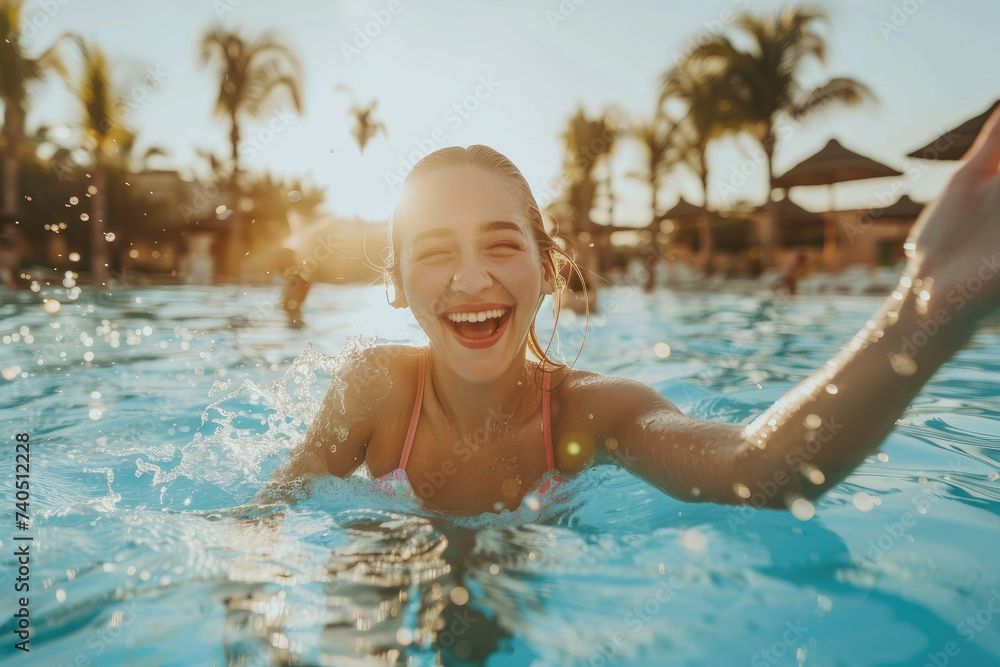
(471, 424)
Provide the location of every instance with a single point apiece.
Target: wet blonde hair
(486, 158)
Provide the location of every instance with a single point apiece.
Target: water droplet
(994, 476)
(294, 195)
(863, 501)
(802, 509)
(109, 237)
(692, 540)
(903, 365)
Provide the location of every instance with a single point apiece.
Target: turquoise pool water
(145, 451)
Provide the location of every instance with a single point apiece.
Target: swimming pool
(143, 451)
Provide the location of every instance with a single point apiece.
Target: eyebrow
(492, 226)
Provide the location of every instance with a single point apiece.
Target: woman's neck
(492, 406)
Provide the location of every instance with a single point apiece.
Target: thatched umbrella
(684, 210)
(833, 164)
(953, 144)
(904, 207)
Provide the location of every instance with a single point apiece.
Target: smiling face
(471, 269)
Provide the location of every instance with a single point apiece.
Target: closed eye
(506, 244)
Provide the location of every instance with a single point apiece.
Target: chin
(485, 364)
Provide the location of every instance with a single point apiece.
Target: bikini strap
(550, 460)
(415, 415)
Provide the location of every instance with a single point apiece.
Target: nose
(472, 276)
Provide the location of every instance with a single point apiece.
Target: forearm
(816, 434)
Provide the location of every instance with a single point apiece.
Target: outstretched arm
(816, 434)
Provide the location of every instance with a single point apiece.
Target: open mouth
(478, 333)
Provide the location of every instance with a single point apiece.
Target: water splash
(254, 422)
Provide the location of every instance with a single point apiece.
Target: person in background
(295, 287)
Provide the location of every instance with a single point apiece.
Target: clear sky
(931, 63)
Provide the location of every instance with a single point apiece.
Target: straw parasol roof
(953, 144)
(786, 211)
(904, 207)
(833, 164)
(684, 210)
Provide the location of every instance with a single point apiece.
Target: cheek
(424, 286)
(523, 275)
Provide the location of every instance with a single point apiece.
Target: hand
(957, 238)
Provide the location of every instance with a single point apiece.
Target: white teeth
(481, 316)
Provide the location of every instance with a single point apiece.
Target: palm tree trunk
(234, 138)
(98, 244)
(13, 125)
(234, 239)
(705, 249)
(767, 242)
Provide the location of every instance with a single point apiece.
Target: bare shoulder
(591, 389)
(604, 405)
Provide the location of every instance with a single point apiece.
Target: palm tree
(662, 155)
(586, 143)
(251, 76)
(18, 75)
(708, 112)
(106, 138)
(765, 77)
(365, 126)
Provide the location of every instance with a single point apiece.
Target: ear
(549, 277)
(397, 299)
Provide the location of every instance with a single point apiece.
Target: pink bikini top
(397, 484)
